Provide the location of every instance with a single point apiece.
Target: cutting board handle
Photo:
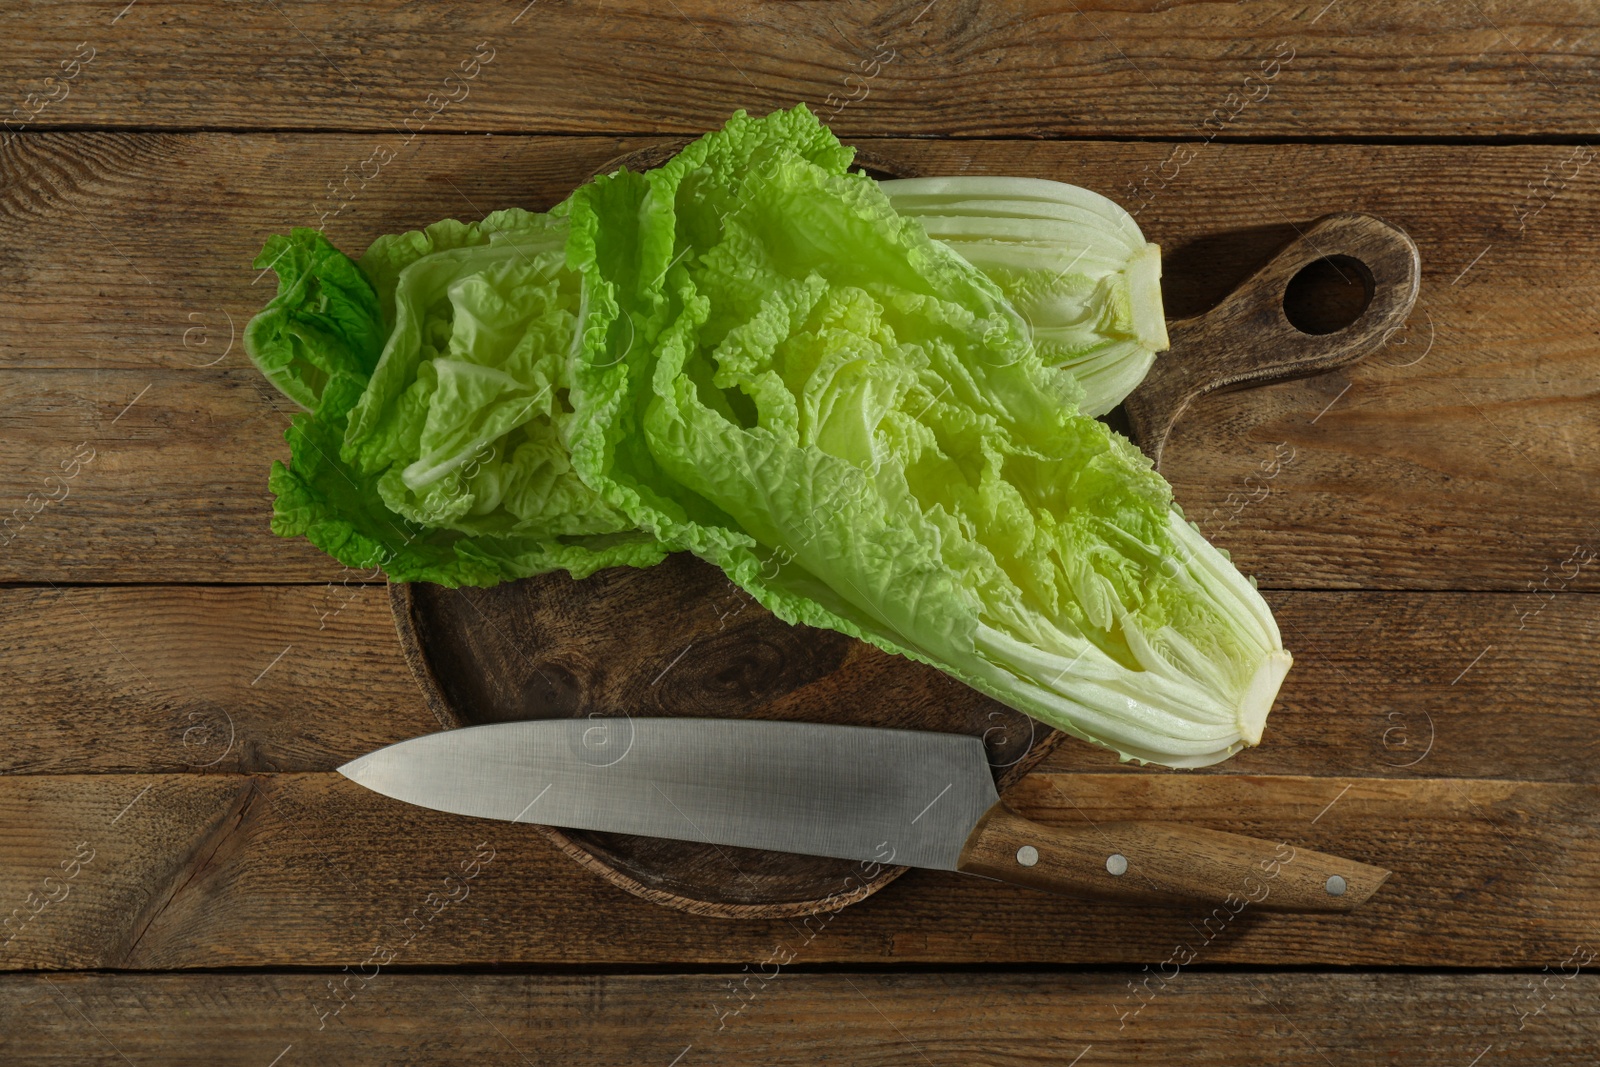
(1155, 861)
(1247, 339)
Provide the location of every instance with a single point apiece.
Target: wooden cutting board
(680, 639)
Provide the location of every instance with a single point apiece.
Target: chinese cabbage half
(1073, 263)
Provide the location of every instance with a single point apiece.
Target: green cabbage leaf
(433, 448)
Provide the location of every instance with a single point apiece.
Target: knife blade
(908, 797)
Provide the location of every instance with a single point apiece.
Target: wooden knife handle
(1155, 861)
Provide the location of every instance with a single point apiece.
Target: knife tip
(351, 769)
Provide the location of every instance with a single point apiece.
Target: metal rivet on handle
(1336, 885)
(1027, 855)
(1117, 863)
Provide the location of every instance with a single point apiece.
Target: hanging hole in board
(1328, 294)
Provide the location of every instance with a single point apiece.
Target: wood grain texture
(1167, 863)
(1250, 340)
(1099, 67)
(1417, 468)
(166, 798)
(213, 678)
(304, 678)
(771, 1016)
(312, 870)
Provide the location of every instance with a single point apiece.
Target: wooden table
(195, 885)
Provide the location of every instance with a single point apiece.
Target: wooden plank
(167, 282)
(1035, 69)
(1416, 469)
(1007, 1020)
(160, 476)
(218, 678)
(303, 678)
(214, 870)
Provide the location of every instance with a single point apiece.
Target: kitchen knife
(857, 793)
